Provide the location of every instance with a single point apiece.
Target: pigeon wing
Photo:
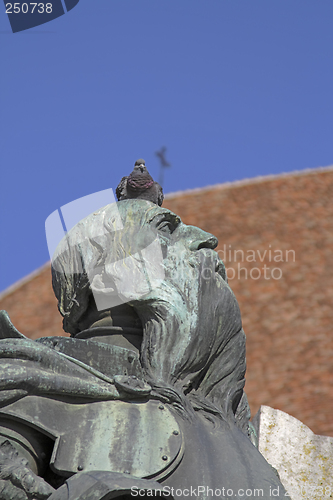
(160, 195)
(121, 191)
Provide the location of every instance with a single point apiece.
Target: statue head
(140, 257)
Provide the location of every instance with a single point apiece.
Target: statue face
(191, 266)
(180, 244)
(132, 249)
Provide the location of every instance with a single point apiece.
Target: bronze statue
(146, 397)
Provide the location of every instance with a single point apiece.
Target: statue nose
(203, 240)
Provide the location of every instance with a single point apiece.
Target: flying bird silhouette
(140, 184)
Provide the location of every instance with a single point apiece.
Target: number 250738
(16, 8)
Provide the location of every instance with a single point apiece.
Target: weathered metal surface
(109, 485)
(30, 443)
(27, 367)
(108, 359)
(7, 329)
(143, 440)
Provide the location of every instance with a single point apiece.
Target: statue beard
(187, 324)
(193, 346)
(166, 339)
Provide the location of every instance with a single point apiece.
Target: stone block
(303, 459)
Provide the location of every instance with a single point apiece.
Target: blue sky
(232, 88)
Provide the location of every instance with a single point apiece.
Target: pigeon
(140, 184)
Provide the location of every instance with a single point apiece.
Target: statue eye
(166, 226)
(166, 223)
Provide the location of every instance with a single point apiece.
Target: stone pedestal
(303, 460)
